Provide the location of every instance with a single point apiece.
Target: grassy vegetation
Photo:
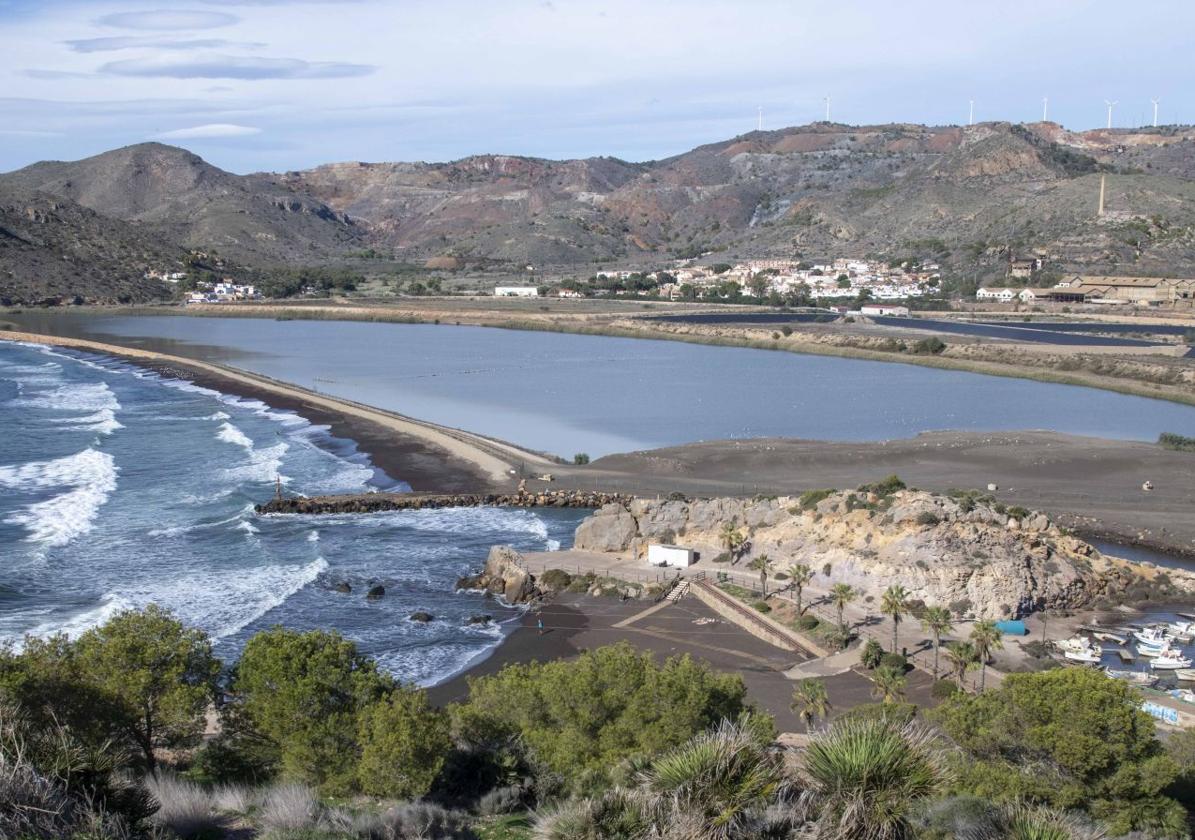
(1178, 443)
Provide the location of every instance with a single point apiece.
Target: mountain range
(967, 197)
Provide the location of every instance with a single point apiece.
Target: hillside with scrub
(136, 730)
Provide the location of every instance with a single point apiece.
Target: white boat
(1088, 653)
(1181, 628)
(1074, 644)
(1185, 674)
(1141, 678)
(1151, 637)
(1170, 661)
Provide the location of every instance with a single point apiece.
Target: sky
(274, 85)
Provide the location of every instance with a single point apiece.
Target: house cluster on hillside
(223, 292)
(165, 276)
(1144, 291)
(838, 278)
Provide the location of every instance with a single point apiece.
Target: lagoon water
(565, 393)
(119, 488)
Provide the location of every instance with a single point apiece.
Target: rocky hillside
(959, 195)
(965, 552)
(967, 197)
(54, 250)
(180, 199)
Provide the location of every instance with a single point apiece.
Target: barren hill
(967, 197)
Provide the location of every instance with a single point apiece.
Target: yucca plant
(810, 701)
(867, 777)
(1020, 821)
(718, 784)
(618, 814)
(888, 684)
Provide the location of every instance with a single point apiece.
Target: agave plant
(868, 777)
(717, 786)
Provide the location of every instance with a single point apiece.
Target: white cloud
(208, 132)
(167, 20)
(128, 42)
(234, 67)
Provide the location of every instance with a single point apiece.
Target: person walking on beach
(539, 623)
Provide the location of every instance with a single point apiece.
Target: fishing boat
(1170, 661)
(1105, 636)
(1141, 678)
(1076, 643)
(1185, 674)
(1151, 637)
(1088, 654)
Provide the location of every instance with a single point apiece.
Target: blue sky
(257, 85)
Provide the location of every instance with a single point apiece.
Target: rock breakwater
(375, 502)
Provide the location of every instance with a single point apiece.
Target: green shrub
(810, 498)
(871, 654)
(1179, 443)
(894, 661)
(762, 606)
(928, 347)
(944, 690)
(581, 458)
(808, 622)
(403, 743)
(587, 714)
(884, 487)
(1018, 512)
(555, 579)
(928, 518)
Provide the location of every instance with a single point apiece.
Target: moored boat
(1170, 661)
(1186, 674)
(1141, 678)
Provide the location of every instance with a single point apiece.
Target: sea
(120, 488)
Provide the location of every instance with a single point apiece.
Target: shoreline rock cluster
(375, 502)
(504, 576)
(965, 550)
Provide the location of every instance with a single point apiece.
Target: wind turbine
(971, 112)
(1045, 109)
(827, 109)
(1110, 103)
(1155, 102)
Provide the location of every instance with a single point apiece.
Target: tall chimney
(1101, 212)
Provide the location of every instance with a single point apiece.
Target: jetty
(377, 502)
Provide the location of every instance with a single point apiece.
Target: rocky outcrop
(967, 552)
(612, 529)
(504, 575)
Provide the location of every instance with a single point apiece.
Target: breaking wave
(91, 477)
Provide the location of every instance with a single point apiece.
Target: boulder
(342, 586)
(504, 575)
(375, 593)
(610, 529)
(422, 617)
(480, 619)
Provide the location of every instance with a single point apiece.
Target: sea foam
(91, 477)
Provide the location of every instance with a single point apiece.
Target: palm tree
(732, 538)
(810, 701)
(717, 784)
(868, 776)
(985, 637)
(799, 574)
(937, 620)
(894, 603)
(763, 565)
(962, 657)
(842, 594)
(888, 684)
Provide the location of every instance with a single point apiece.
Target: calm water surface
(568, 393)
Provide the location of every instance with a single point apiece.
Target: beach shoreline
(1091, 485)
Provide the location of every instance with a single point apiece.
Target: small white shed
(670, 555)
